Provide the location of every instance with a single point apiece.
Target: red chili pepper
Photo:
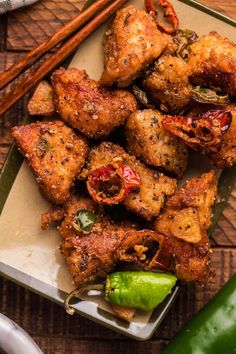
(169, 12)
(224, 118)
(112, 183)
(203, 132)
(148, 249)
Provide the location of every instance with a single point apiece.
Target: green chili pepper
(140, 290)
(213, 329)
(142, 96)
(84, 220)
(183, 39)
(205, 95)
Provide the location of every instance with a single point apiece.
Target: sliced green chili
(84, 220)
(205, 95)
(142, 96)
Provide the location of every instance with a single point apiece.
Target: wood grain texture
(53, 330)
(28, 28)
(226, 7)
(71, 346)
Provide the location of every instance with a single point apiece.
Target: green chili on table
(140, 290)
(213, 329)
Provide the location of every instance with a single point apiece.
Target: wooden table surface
(47, 323)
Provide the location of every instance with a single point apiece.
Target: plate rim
(82, 308)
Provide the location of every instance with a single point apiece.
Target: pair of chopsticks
(87, 21)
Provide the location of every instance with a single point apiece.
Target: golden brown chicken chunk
(91, 255)
(132, 42)
(212, 61)
(148, 200)
(55, 153)
(83, 104)
(168, 84)
(41, 103)
(149, 141)
(185, 220)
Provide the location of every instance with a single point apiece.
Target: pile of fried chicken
(120, 143)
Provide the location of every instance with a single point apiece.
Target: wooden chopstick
(30, 58)
(56, 58)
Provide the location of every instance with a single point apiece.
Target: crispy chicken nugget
(83, 104)
(155, 186)
(91, 255)
(185, 220)
(212, 61)
(41, 103)
(132, 42)
(55, 153)
(148, 140)
(168, 84)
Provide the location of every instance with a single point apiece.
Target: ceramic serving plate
(30, 256)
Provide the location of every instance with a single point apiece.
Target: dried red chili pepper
(169, 12)
(148, 249)
(202, 132)
(112, 183)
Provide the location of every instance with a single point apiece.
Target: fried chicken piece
(212, 61)
(185, 220)
(155, 186)
(168, 84)
(55, 153)
(148, 140)
(83, 104)
(92, 255)
(132, 42)
(41, 103)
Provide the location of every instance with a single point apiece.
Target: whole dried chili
(112, 183)
(139, 290)
(169, 12)
(203, 132)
